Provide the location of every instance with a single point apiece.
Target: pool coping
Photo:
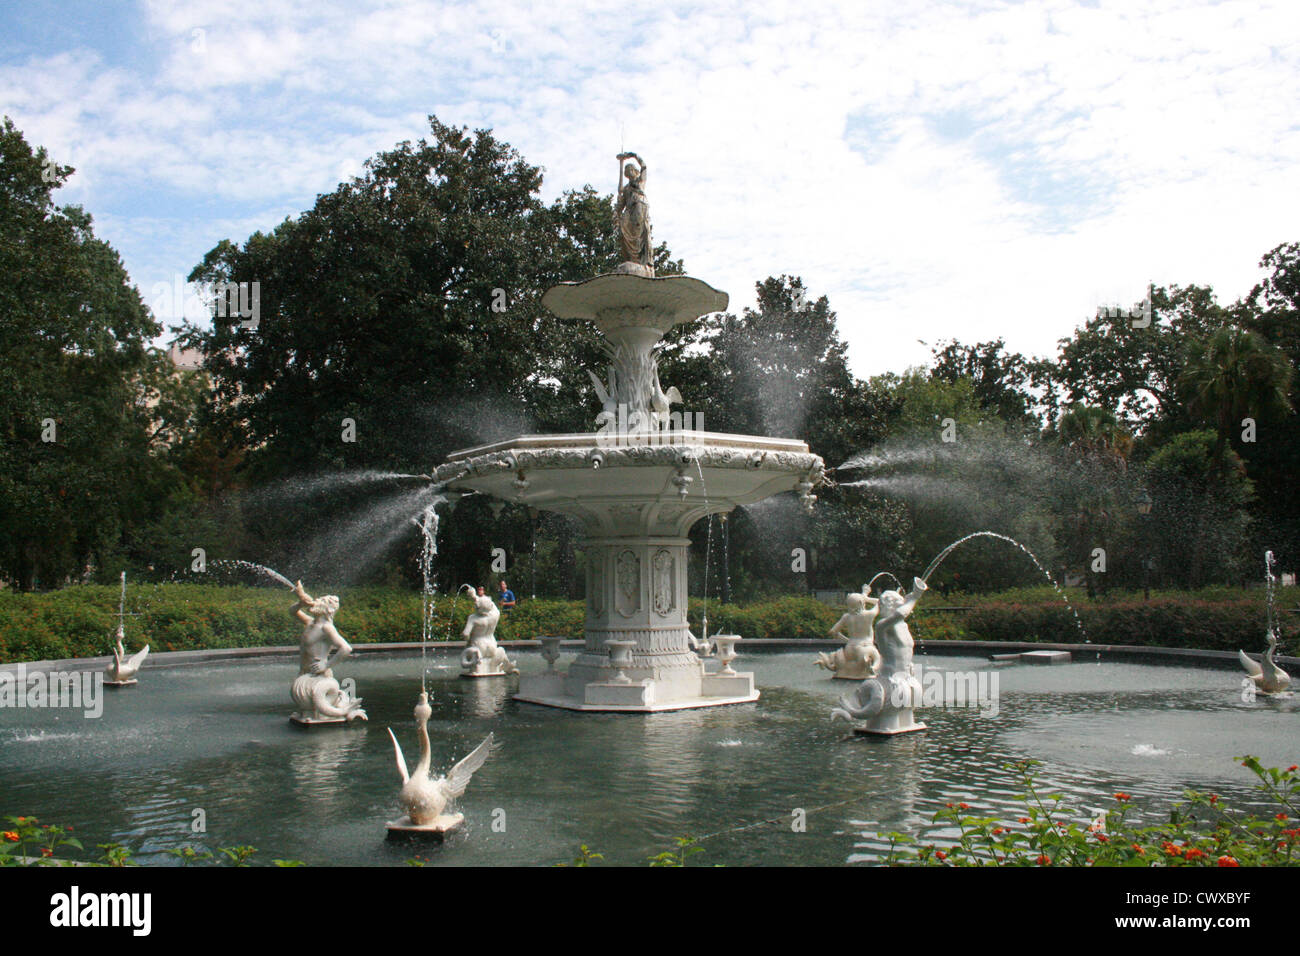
(977, 648)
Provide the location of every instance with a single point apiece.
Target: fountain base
(890, 725)
(645, 696)
(320, 721)
(437, 830)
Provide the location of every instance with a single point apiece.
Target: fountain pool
(625, 785)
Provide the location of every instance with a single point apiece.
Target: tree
(1116, 362)
(1200, 517)
(75, 467)
(400, 319)
(1232, 375)
(1003, 382)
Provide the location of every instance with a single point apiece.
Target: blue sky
(970, 170)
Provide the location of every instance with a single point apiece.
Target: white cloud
(952, 170)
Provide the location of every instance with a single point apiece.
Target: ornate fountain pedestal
(638, 485)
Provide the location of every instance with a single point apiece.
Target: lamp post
(1142, 502)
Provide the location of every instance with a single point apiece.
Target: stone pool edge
(214, 655)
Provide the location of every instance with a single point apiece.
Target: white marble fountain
(638, 486)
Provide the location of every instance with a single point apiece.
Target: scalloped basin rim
(679, 298)
(683, 439)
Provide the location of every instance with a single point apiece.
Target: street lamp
(1142, 502)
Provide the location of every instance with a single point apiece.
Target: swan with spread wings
(424, 797)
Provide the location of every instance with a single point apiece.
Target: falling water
(428, 525)
(881, 574)
(1032, 557)
(708, 549)
(1269, 582)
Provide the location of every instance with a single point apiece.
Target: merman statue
(886, 701)
(858, 658)
(483, 657)
(318, 695)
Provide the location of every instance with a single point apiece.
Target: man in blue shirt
(507, 598)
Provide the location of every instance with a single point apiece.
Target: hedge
(79, 621)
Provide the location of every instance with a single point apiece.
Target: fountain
(121, 673)
(1266, 677)
(425, 798)
(318, 695)
(631, 485)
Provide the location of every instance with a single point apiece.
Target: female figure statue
(632, 217)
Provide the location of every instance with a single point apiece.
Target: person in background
(507, 598)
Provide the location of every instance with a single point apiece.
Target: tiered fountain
(638, 484)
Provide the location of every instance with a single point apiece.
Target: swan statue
(1267, 677)
(123, 669)
(423, 797)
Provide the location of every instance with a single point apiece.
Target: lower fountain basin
(215, 737)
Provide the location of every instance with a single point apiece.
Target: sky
(938, 170)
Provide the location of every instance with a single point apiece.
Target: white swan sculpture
(423, 797)
(1267, 676)
(123, 669)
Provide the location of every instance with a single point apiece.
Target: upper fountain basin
(619, 300)
(656, 483)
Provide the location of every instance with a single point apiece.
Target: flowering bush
(1200, 831)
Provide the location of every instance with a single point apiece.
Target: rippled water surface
(217, 737)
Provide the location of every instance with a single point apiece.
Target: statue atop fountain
(1266, 677)
(858, 659)
(887, 700)
(483, 657)
(632, 219)
(318, 695)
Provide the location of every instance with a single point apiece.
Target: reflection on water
(217, 739)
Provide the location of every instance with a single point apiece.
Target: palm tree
(1096, 433)
(1233, 375)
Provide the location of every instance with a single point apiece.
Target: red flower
(1044, 860)
(1194, 854)
(1293, 768)
(46, 851)
(1214, 798)
(1228, 861)
(948, 805)
(964, 806)
(1024, 819)
(998, 831)
(1140, 851)
(1123, 796)
(1280, 816)
(1102, 838)
(940, 855)
(10, 835)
